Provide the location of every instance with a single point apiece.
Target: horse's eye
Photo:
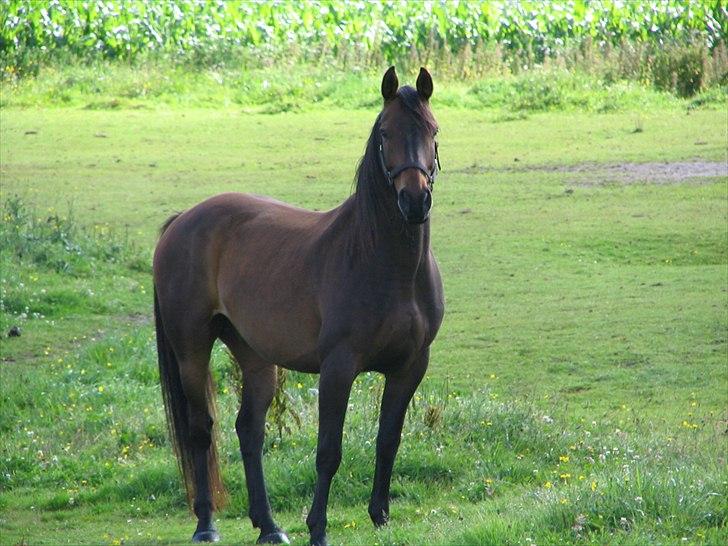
(383, 134)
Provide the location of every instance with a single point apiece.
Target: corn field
(129, 29)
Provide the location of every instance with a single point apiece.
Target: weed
(433, 416)
(281, 409)
(56, 242)
(638, 125)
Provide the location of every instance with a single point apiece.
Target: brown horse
(335, 293)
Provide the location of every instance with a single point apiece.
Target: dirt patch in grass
(653, 173)
(596, 174)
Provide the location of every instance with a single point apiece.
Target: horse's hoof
(319, 541)
(380, 522)
(206, 535)
(276, 537)
(379, 517)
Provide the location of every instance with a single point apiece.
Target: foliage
(55, 241)
(128, 28)
(607, 87)
(468, 35)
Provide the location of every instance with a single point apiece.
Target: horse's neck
(398, 247)
(403, 245)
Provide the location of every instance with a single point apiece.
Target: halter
(391, 175)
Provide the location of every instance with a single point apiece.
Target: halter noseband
(391, 175)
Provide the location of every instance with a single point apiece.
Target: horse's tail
(176, 408)
(168, 222)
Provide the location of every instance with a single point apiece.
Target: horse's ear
(424, 84)
(390, 84)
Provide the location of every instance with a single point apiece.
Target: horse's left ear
(424, 84)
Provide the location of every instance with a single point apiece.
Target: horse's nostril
(414, 207)
(427, 201)
(403, 201)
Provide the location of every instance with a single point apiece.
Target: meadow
(578, 389)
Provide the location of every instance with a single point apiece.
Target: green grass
(100, 85)
(584, 321)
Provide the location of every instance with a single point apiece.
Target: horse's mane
(370, 180)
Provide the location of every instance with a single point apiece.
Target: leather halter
(391, 175)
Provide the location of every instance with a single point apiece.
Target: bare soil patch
(653, 173)
(596, 174)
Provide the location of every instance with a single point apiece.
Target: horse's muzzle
(415, 208)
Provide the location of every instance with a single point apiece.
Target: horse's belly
(282, 329)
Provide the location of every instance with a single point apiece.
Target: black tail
(168, 222)
(175, 405)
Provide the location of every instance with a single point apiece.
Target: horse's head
(407, 146)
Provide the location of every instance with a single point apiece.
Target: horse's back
(216, 222)
(241, 208)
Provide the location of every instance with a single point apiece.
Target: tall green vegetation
(675, 45)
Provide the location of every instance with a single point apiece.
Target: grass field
(577, 389)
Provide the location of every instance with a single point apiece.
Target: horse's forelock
(419, 108)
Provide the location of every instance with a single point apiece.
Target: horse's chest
(399, 337)
(405, 321)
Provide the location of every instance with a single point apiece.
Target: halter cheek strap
(391, 175)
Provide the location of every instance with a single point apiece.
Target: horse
(336, 293)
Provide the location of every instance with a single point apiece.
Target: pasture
(576, 392)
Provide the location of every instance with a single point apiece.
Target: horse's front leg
(338, 370)
(398, 391)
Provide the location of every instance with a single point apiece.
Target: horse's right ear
(390, 84)
(424, 84)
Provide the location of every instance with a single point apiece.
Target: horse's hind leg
(259, 386)
(194, 375)
(192, 341)
(194, 371)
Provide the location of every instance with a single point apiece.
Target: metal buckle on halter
(391, 175)
(388, 174)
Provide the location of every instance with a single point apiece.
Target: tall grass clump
(47, 261)
(58, 243)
